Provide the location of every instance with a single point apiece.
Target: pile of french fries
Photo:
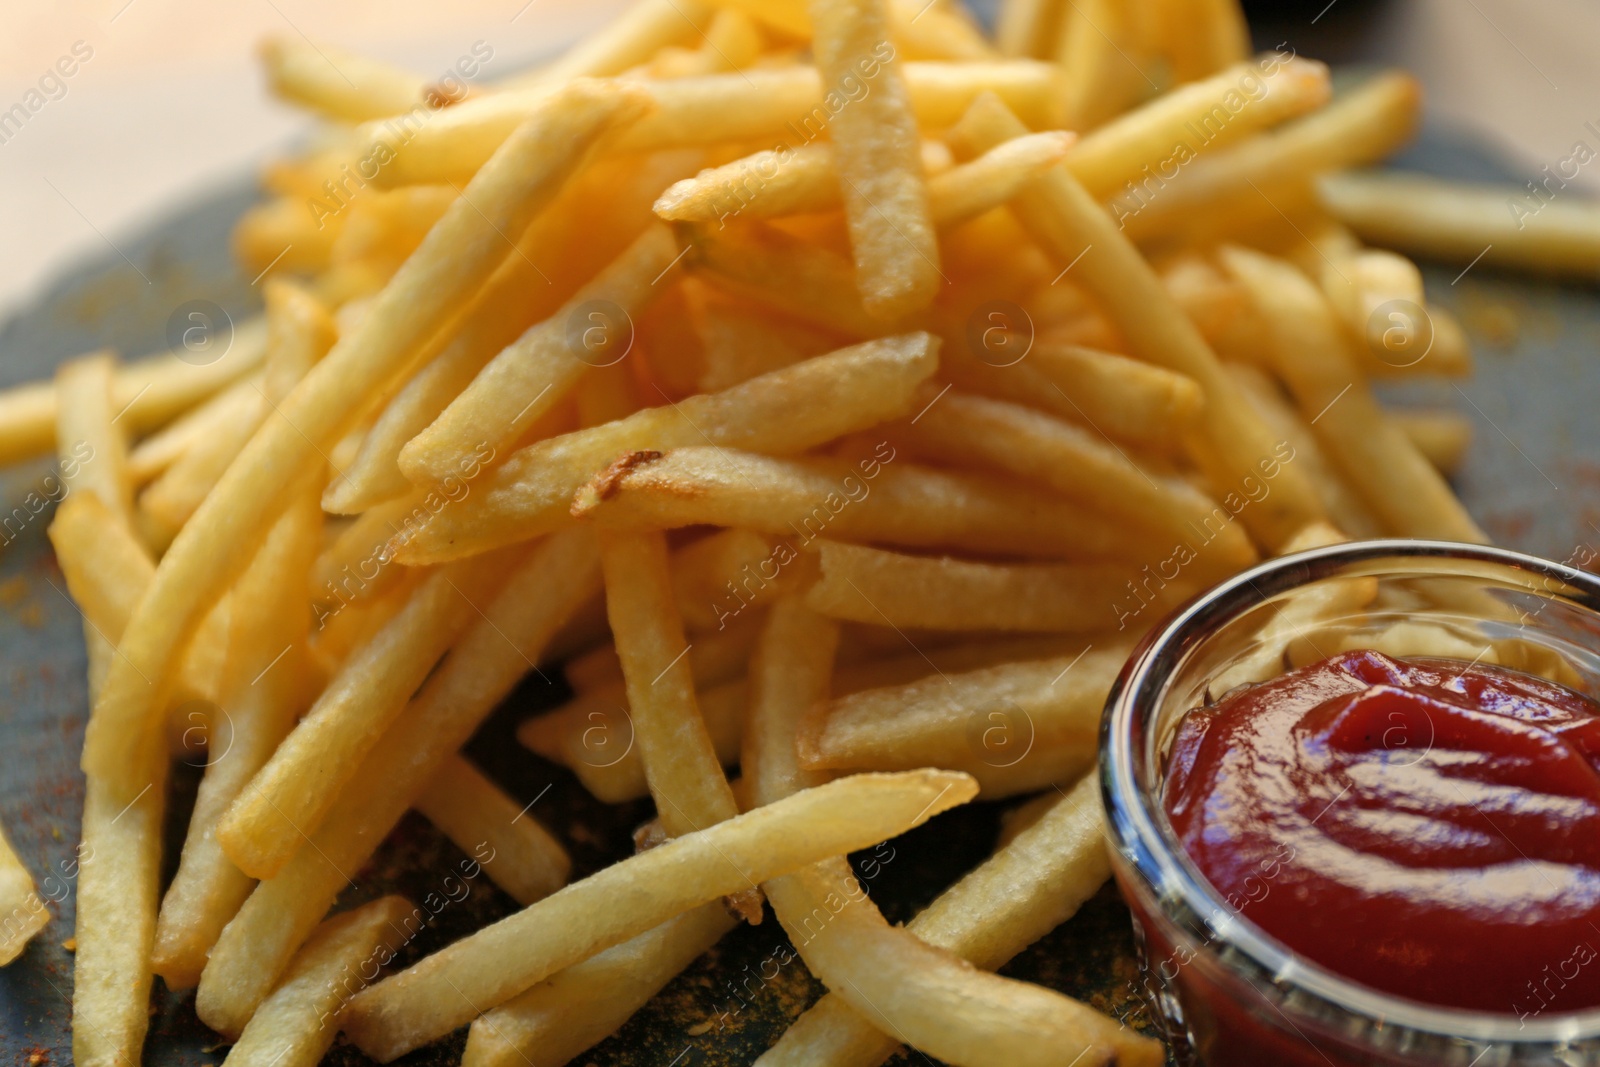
(836, 392)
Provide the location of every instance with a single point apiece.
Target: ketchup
(1426, 827)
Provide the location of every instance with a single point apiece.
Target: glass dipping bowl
(1226, 993)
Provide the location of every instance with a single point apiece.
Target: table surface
(1532, 478)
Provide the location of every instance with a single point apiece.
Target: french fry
(1031, 444)
(281, 235)
(625, 42)
(577, 1008)
(918, 592)
(741, 342)
(1228, 191)
(715, 656)
(784, 273)
(156, 453)
(107, 569)
(518, 294)
(1031, 885)
(1105, 66)
(1027, 28)
(779, 102)
(1021, 726)
(679, 760)
(147, 393)
(785, 181)
(1126, 398)
(937, 32)
(1507, 226)
(119, 856)
(94, 455)
(1231, 444)
(935, 1001)
(540, 368)
(454, 260)
(788, 410)
(341, 85)
(472, 811)
(1443, 436)
(1224, 109)
(297, 1024)
(554, 582)
(716, 577)
(290, 796)
(1347, 511)
(875, 499)
(877, 159)
(299, 332)
(595, 737)
(450, 988)
(22, 911)
(731, 42)
(1397, 482)
(258, 701)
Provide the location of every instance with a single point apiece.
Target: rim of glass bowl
(1140, 835)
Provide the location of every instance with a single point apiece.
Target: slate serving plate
(1532, 478)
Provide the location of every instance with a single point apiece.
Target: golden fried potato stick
(625, 42)
(1228, 192)
(897, 502)
(519, 293)
(680, 763)
(263, 691)
(159, 451)
(784, 273)
(788, 410)
(717, 575)
(120, 853)
(786, 102)
(457, 256)
(1231, 444)
(961, 428)
(22, 911)
(1127, 399)
(575, 1009)
(717, 655)
(559, 576)
(291, 795)
(452, 987)
(1027, 28)
(1032, 884)
(93, 452)
(344, 86)
(1438, 433)
(540, 368)
(1504, 225)
(296, 1025)
(933, 1000)
(1202, 116)
(594, 736)
(147, 392)
(1015, 727)
(300, 331)
(1314, 360)
(881, 588)
(1104, 60)
(1206, 36)
(806, 180)
(732, 41)
(924, 32)
(877, 158)
(473, 811)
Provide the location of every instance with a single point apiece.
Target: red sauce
(1430, 828)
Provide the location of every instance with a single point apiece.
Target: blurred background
(165, 101)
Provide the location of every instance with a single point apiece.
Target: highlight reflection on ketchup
(1430, 828)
